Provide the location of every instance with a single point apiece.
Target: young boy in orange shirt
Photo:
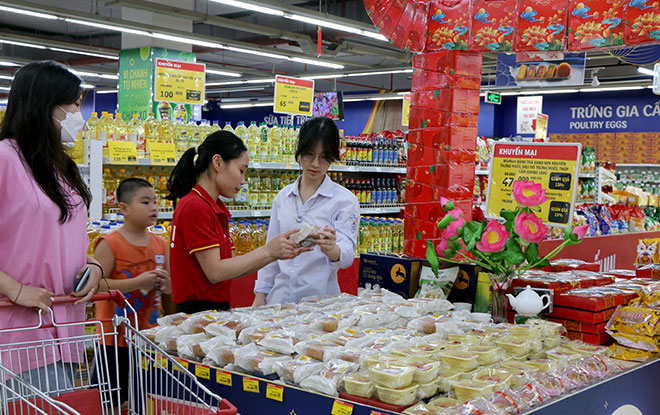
(136, 262)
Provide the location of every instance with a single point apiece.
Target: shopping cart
(71, 373)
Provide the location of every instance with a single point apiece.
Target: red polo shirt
(199, 223)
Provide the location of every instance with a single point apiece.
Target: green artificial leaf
(436, 93)
(470, 244)
(459, 231)
(432, 169)
(419, 234)
(567, 234)
(466, 233)
(455, 244)
(508, 215)
(484, 225)
(514, 257)
(497, 256)
(448, 219)
(532, 253)
(450, 206)
(544, 263)
(424, 123)
(432, 257)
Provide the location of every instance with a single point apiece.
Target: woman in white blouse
(314, 199)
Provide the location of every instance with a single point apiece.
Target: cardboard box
(450, 62)
(403, 26)
(418, 34)
(425, 79)
(600, 338)
(582, 315)
(445, 138)
(396, 274)
(494, 24)
(430, 211)
(420, 155)
(416, 247)
(391, 17)
(420, 229)
(541, 25)
(422, 192)
(579, 326)
(594, 24)
(448, 25)
(447, 99)
(642, 19)
(445, 175)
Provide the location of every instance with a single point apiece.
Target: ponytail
(197, 160)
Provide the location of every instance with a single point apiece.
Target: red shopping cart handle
(113, 295)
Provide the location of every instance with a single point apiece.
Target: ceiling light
(248, 6)
(222, 73)
(29, 45)
(88, 86)
(243, 89)
(323, 23)
(9, 78)
(548, 91)
(355, 99)
(256, 52)
(28, 13)
(374, 35)
(247, 105)
(4, 88)
(241, 82)
(379, 72)
(108, 26)
(331, 76)
(185, 40)
(387, 98)
(403, 93)
(7, 63)
(645, 71)
(78, 52)
(95, 75)
(107, 91)
(621, 88)
(509, 93)
(317, 63)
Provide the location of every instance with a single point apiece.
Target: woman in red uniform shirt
(201, 262)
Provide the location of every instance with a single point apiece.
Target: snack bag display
(493, 25)
(635, 355)
(642, 19)
(636, 320)
(541, 25)
(595, 24)
(449, 25)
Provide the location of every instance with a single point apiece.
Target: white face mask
(71, 125)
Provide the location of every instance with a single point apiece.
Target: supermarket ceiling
(238, 40)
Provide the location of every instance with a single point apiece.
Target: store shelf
(637, 165)
(265, 212)
(482, 172)
(585, 175)
(84, 168)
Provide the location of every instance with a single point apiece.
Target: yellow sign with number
(223, 378)
(203, 372)
(163, 154)
(250, 385)
(341, 408)
(405, 114)
(180, 82)
(553, 165)
(182, 362)
(293, 96)
(122, 152)
(541, 126)
(275, 392)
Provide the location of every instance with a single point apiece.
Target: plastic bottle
(254, 186)
(243, 240)
(103, 131)
(213, 128)
(150, 127)
(266, 187)
(264, 143)
(108, 186)
(93, 230)
(228, 127)
(253, 140)
(180, 136)
(166, 131)
(91, 128)
(259, 236)
(276, 144)
(389, 235)
(152, 178)
(120, 129)
(195, 134)
(135, 132)
(241, 132)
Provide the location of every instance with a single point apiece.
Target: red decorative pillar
(443, 138)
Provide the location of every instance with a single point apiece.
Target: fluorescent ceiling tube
(621, 88)
(317, 63)
(223, 73)
(388, 98)
(311, 77)
(549, 91)
(379, 72)
(78, 52)
(241, 82)
(108, 26)
(28, 13)
(107, 91)
(645, 71)
(88, 86)
(9, 78)
(248, 6)
(95, 75)
(7, 63)
(4, 88)
(246, 105)
(28, 45)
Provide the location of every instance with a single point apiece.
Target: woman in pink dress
(43, 217)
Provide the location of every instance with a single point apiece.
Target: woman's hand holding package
(327, 241)
(280, 247)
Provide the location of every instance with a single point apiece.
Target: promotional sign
(122, 152)
(405, 113)
(163, 154)
(134, 96)
(528, 109)
(542, 127)
(540, 69)
(554, 166)
(293, 96)
(179, 82)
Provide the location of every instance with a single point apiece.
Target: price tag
(405, 112)
(293, 95)
(162, 153)
(145, 364)
(223, 378)
(341, 408)
(377, 413)
(183, 363)
(160, 362)
(122, 152)
(250, 385)
(275, 392)
(289, 166)
(180, 82)
(203, 372)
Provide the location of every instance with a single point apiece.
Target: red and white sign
(528, 109)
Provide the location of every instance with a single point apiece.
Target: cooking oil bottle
(242, 132)
(264, 142)
(180, 136)
(108, 186)
(243, 240)
(166, 131)
(104, 127)
(254, 186)
(253, 141)
(136, 135)
(196, 133)
(120, 130)
(91, 128)
(265, 178)
(228, 127)
(276, 144)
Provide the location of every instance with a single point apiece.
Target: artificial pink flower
(456, 214)
(530, 228)
(452, 229)
(528, 194)
(442, 247)
(581, 231)
(450, 217)
(494, 237)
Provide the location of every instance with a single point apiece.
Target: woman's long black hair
(188, 169)
(36, 90)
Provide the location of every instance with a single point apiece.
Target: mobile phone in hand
(80, 282)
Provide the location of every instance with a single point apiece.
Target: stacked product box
(442, 137)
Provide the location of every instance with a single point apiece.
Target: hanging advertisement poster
(540, 69)
(528, 108)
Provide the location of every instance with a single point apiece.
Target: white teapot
(528, 302)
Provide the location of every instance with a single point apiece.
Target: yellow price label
(293, 95)
(160, 362)
(162, 153)
(145, 364)
(250, 385)
(203, 372)
(405, 113)
(341, 408)
(183, 363)
(180, 82)
(552, 165)
(223, 378)
(122, 152)
(275, 392)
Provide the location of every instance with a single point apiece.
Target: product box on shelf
(417, 247)
(448, 99)
(595, 24)
(420, 229)
(578, 326)
(445, 138)
(594, 299)
(421, 117)
(397, 274)
(423, 80)
(642, 21)
(493, 25)
(444, 175)
(448, 25)
(431, 212)
(420, 155)
(600, 338)
(454, 63)
(541, 25)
